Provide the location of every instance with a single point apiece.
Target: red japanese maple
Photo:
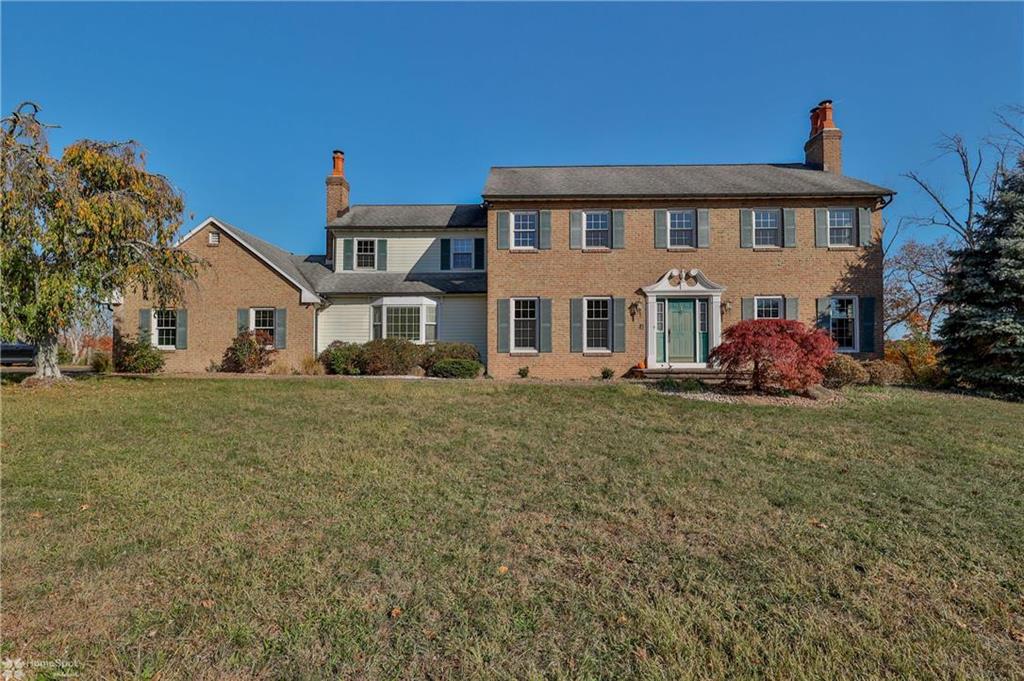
(778, 353)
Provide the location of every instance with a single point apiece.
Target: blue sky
(241, 104)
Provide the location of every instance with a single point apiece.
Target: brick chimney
(824, 146)
(337, 197)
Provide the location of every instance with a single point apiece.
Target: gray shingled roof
(327, 281)
(767, 179)
(412, 216)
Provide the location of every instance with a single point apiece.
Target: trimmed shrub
(101, 362)
(844, 370)
(139, 357)
(667, 384)
(311, 366)
(249, 353)
(607, 373)
(881, 372)
(442, 351)
(523, 372)
(389, 357)
(456, 368)
(778, 354)
(917, 356)
(342, 358)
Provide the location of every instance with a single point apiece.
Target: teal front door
(682, 331)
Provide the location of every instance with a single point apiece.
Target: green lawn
(296, 528)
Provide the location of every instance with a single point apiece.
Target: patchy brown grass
(314, 528)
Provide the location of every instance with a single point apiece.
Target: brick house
(565, 270)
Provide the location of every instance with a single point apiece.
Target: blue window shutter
(544, 321)
(746, 228)
(503, 319)
(661, 228)
(747, 308)
(788, 228)
(867, 323)
(346, 254)
(703, 228)
(281, 328)
(618, 324)
(864, 226)
(576, 230)
(145, 321)
(502, 218)
(181, 329)
(446, 254)
(793, 308)
(544, 231)
(618, 229)
(821, 228)
(479, 250)
(242, 320)
(382, 255)
(824, 306)
(576, 325)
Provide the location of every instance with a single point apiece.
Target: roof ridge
(411, 205)
(657, 165)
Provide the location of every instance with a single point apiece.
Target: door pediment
(683, 281)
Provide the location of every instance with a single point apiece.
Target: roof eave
(688, 197)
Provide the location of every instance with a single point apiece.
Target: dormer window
(366, 254)
(462, 254)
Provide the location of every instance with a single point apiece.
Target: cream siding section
(417, 252)
(463, 319)
(347, 319)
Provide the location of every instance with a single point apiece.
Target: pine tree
(983, 334)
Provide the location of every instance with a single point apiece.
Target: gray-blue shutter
(382, 255)
(242, 320)
(576, 325)
(746, 228)
(821, 228)
(544, 231)
(346, 254)
(576, 229)
(145, 321)
(544, 322)
(503, 315)
(618, 229)
(661, 228)
(864, 226)
(446, 254)
(793, 308)
(788, 228)
(281, 328)
(867, 323)
(181, 330)
(618, 324)
(747, 308)
(502, 218)
(703, 228)
(479, 251)
(824, 306)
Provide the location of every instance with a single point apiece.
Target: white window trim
(583, 230)
(252, 320)
(355, 254)
(782, 306)
(155, 333)
(753, 227)
(513, 348)
(512, 230)
(407, 301)
(472, 254)
(668, 227)
(856, 321)
(828, 226)
(586, 346)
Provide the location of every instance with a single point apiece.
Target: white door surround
(682, 284)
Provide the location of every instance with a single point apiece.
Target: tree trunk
(46, 358)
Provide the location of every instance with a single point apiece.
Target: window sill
(681, 249)
(768, 248)
(842, 248)
(847, 351)
(597, 353)
(597, 249)
(524, 249)
(524, 353)
(166, 348)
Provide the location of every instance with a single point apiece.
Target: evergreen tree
(983, 334)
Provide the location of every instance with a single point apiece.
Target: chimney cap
(824, 102)
(338, 151)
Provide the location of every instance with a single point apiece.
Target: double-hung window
(366, 254)
(767, 227)
(597, 326)
(843, 322)
(768, 307)
(462, 254)
(682, 228)
(597, 229)
(263, 320)
(524, 324)
(841, 226)
(165, 328)
(524, 230)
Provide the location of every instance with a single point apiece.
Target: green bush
(667, 384)
(101, 362)
(437, 352)
(881, 372)
(842, 371)
(342, 358)
(64, 355)
(607, 373)
(139, 357)
(524, 372)
(389, 357)
(456, 368)
(249, 353)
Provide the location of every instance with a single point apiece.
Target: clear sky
(241, 104)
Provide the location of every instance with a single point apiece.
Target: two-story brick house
(565, 270)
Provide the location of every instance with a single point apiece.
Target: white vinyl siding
(463, 319)
(347, 319)
(413, 252)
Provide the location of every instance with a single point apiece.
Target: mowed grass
(311, 529)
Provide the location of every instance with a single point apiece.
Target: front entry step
(710, 376)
